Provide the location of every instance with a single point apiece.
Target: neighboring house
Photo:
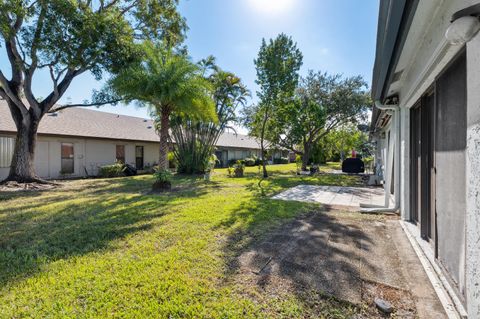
(76, 142)
(426, 125)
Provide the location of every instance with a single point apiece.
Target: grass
(106, 248)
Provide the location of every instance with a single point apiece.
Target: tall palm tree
(169, 83)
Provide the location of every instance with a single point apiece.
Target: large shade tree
(322, 103)
(170, 84)
(277, 65)
(65, 39)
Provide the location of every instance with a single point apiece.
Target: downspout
(396, 163)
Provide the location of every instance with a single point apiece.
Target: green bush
(172, 161)
(281, 160)
(237, 169)
(233, 161)
(250, 161)
(163, 175)
(109, 171)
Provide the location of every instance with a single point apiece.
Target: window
(7, 145)
(67, 158)
(120, 153)
(139, 157)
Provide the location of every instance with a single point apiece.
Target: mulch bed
(19, 187)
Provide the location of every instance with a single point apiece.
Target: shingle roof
(83, 122)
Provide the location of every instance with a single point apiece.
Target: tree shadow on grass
(279, 244)
(39, 228)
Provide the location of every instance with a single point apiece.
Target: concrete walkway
(335, 195)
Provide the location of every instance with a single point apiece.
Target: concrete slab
(352, 257)
(335, 195)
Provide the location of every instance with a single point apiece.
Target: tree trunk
(264, 164)
(262, 145)
(305, 157)
(22, 169)
(164, 126)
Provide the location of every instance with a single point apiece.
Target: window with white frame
(7, 145)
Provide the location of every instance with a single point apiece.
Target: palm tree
(169, 83)
(196, 140)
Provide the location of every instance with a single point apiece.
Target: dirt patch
(19, 187)
(402, 301)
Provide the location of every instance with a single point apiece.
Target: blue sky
(337, 36)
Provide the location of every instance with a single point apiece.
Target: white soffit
(419, 29)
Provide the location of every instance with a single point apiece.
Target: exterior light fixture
(465, 24)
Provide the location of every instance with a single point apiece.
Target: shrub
(232, 162)
(281, 160)
(162, 175)
(237, 169)
(298, 161)
(163, 180)
(210, 163)
(172, 161)
(115, 170)
(250, 161)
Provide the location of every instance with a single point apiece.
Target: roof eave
(395, 19)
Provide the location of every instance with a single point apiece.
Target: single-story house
(76, 142)
(426, 125)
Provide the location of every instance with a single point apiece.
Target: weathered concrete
(350, 256)
(473, 179)
(335, 195)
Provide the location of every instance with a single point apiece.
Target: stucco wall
(89, 154)
(473, 179)
(423, 59)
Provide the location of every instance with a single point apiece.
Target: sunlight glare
(272, 6)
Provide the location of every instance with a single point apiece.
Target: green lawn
(106, 248)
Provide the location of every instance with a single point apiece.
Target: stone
(383, 305)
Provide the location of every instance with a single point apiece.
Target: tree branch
(53, 97)
(13, 96)
(16, 62)
(63, 107)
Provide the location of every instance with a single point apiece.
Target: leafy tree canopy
(166, 80)
(65, 38)
(170, 84)
(196, 139)
(322, 103)
(277, 65)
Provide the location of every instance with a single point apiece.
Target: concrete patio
(335, 195)
(351, 256)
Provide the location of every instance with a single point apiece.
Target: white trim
(447, 296)
(416, 89)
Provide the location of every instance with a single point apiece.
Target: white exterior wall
(89, 154)
(405, 163)
(422, 62)
(426, 60)
(473, 179)
(423, 59)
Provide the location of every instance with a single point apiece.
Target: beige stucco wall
(89, 154)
